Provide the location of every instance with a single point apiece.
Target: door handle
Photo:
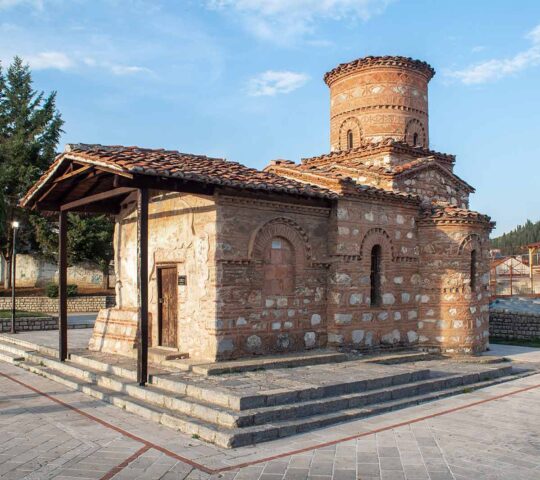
(161, 301)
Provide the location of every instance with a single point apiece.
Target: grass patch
(21, 314)
(534, 342)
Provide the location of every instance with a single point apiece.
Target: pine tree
(512, 243)
(30, 127)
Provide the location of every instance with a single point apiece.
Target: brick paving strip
(147, 445)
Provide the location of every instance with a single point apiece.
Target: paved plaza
(48, 431)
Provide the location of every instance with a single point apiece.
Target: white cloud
(128, 69)
(283, 21)
(272, 82)
(494, 69)
(50, 60)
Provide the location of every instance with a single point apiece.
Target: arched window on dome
(473, 270)
(349, 139)
(375, 276)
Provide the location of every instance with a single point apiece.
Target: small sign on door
(182, 280)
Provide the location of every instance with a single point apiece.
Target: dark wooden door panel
(168, 306)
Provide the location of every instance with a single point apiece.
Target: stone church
(371, 245)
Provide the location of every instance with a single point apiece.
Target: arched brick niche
(415, 133)
(377, 236)
(350, 134)
(281, 228)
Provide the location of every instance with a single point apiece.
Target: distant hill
(511, 243)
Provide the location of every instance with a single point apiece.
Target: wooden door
(167, 306)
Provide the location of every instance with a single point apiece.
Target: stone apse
(386, 253)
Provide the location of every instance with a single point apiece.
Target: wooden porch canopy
(97, 179)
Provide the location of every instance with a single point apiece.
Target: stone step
(11, 357)
(345, 401)
(208, 412)
(291, 360)
(7, 341)
(184, 423)
(236, 437)
(239, 403)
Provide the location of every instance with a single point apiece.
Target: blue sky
(242, 79)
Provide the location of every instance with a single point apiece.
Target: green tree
(30, 127)
(89, 239)
(512, 243)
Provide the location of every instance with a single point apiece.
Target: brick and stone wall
(50, 305)
(352, 319)
(272, 264)
(356, 99)
(523, 326)
(453, 311)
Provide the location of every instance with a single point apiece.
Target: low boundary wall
(50, 305)
(523, 326)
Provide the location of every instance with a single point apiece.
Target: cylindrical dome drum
(376, 98)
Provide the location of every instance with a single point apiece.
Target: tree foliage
(512, 243)
(30, 127)
(89, 238)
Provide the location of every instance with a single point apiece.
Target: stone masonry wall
(352, 320)
(50, 305)
(265, 308)
(433, 186)
(30, 323)
(181, 233)
(522, 326)
(453, 316)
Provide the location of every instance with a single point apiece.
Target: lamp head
(15, 224)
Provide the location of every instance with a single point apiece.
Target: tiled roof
(368, 62)
(339, 182)
(370, 148)
(170, 163)
(439, 212)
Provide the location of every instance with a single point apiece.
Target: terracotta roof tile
(367, 62)
(170, 163)
(440, 212)
(388, 144)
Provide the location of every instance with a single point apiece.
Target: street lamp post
(15, 226)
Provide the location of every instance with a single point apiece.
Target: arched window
(375, 277)
(415, 139)
(473, 270)
(349, 139)
(279, 267)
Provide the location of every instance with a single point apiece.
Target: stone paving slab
(499, 439)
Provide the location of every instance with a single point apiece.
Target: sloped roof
(367, 149)
(450, 214)
(174, 164)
